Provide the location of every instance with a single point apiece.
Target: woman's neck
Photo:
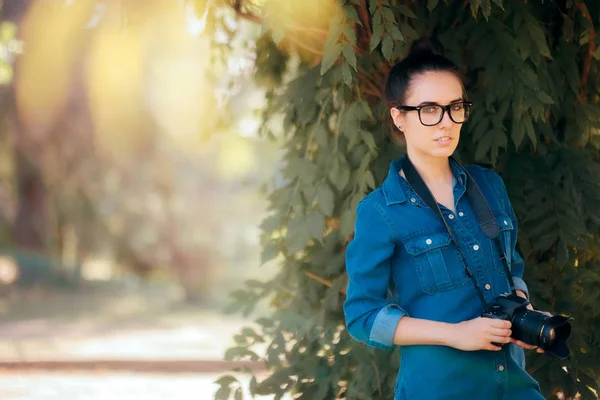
(435, 171)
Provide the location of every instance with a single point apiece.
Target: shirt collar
(458, 172)
(392, 187)
(395, 189)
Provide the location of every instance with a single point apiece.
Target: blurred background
(133, 179)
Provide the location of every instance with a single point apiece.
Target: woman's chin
(443, 152)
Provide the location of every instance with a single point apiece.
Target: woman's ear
(397, 117)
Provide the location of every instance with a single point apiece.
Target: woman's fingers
(493, 347)
(501, 331)
(500, 339)
(500, 323)
(523, 344)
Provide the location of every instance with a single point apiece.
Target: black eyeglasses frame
(445, 109)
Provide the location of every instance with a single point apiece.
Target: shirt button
(461, 214)
(488, 286)
(428, 241)
(501, 368)
(412, 200)
(451, 216)
(476, 247)
(505, 223)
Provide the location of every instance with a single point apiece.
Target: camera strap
(483, 213)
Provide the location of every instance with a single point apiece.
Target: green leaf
(347, 74)
(377, 34)
(352, 14)
(486, 8)
(366, 108)
(350, 55)
(395, 32)
(367, 137)
(431, 4)
(343, 178)
(330, 56)
(388, 47)
(350, 34)
(370, 180)
(325, 199)
(238, 395)
(235, 353)
(322, 136)
(499, 4)
(373, 6)
(409, 31)
(339, 173)
(226, 380)
(545, 97)
(347, 220)
(530, 131)
(475, 4)
(351, 133)
(267, 323)
(223, 393)
(388, 15)
(406, 11)
(269, 252)
(538, 36)
(315, 224)
(297, 236)
(301, 168)
(271, 223)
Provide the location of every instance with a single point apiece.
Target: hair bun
(425, 45)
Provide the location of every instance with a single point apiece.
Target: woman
(407, 282)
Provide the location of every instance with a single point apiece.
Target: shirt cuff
(521, 285)
(384, 326)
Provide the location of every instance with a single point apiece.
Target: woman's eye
(457, 107)
(430, 109)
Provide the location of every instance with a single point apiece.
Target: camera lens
(555, 331)
(528, 326)
(549, 333)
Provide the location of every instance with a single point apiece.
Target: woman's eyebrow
(433, 102)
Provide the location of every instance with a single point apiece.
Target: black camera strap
(481, 209)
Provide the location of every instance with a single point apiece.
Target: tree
(532, 72)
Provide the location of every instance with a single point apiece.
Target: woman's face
(437, 87)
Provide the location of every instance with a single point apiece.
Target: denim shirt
(402, 261)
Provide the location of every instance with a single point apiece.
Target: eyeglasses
(432, 114)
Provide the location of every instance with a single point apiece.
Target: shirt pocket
(437, 261)
(506, 231)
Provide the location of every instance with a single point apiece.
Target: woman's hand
(523, 344)
(480, 333)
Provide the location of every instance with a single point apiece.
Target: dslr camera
(531, 327)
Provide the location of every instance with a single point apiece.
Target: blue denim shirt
(402, 262)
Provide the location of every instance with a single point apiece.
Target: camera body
(505, 306)
(532, 327)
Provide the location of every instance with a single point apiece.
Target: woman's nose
(446, 120)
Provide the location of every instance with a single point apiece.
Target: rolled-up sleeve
(370, 317)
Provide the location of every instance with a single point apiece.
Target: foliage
(532, 72)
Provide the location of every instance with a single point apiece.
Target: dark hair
(424, 57)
